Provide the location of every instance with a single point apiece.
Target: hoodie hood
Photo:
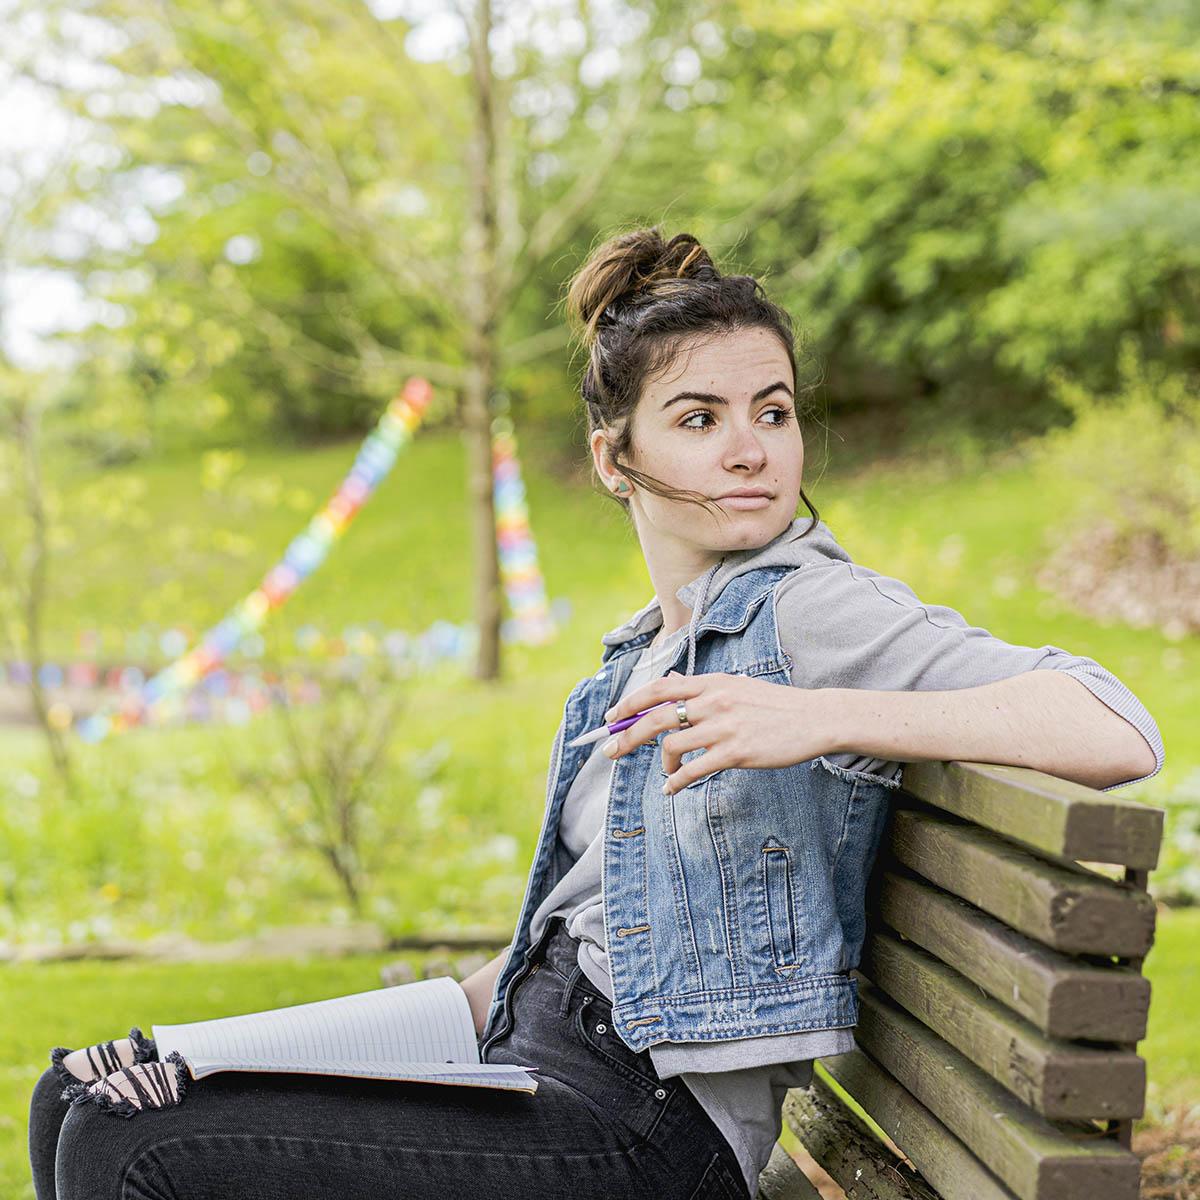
(790, 548)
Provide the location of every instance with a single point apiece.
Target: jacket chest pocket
(775, 876)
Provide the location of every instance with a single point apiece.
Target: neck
(668, 574)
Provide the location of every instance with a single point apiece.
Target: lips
(746, 503)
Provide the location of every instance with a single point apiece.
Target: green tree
(415, 203)
(956, 203)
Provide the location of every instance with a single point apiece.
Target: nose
(746, 450)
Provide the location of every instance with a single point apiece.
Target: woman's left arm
(1042, 719)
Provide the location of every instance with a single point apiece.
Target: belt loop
(568, 988)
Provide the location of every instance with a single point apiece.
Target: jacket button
(601, 1028)
(660, 1094)
(601, 674)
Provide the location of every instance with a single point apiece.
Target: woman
(695, 904)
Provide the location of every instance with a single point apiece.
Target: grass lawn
(1172, 1044)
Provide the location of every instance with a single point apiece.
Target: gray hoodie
(843, 625)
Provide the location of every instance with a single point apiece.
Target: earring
(622, 488)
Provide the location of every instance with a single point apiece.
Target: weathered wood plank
(1061, 996)
(1043, 811)
(944, 1162)
(1025, 1151)
(1069, 909)
(781, 1179)
(861, 1165)
(1056, 1078)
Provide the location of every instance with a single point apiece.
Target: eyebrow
(712, 398)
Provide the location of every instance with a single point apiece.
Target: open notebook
(421, 1031)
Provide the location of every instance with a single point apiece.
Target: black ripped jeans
(602, 1125)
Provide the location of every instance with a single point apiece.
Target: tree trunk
(28, 431)
(481, 303)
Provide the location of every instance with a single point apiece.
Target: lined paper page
(490, 1075)
(427, 1021)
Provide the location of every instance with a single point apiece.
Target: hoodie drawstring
(697, 609)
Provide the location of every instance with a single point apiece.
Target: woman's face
(720, 418)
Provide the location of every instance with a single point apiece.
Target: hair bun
(638, 263)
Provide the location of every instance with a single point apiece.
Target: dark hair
(635, 302)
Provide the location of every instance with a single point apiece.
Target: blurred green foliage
(1133, 457)
(953, 204)
(983, 220)
(1021, 191)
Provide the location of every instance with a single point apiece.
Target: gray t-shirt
(842, 625)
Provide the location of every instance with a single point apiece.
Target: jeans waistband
(559, 951)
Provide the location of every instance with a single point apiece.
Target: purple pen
(607, 730)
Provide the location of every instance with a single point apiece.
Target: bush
(1128, 472)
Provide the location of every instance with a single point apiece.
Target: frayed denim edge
(144, 1050)
(56, 1061)
(84, 1095)
(853, 776)
(81, 1093)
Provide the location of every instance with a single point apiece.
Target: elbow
(1142, 763)
(1146, 762)
(1142, 758)
(1129, 754)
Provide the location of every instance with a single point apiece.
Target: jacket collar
(791, 549)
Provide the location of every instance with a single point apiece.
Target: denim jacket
(734, 908)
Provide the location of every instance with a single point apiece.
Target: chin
(746, 530)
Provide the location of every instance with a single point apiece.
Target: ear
(601, 457)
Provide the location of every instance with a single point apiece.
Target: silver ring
(681, 712)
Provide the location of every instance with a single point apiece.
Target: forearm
(479, 987)
(1040, 719)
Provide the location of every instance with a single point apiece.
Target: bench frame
(1025, 1041)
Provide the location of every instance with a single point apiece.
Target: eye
(784, 414)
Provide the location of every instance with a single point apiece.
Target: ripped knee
(135, 1088)
(95, 1062)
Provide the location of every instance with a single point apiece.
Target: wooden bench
(1001, 998)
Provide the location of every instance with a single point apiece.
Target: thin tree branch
(545, 341)
(418, 273)
(559, 222)
(443, 374)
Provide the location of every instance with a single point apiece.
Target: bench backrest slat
(941, 1158)
(1054, 815)
(1056, 1078)
(1073, 910)
(1062, 996)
